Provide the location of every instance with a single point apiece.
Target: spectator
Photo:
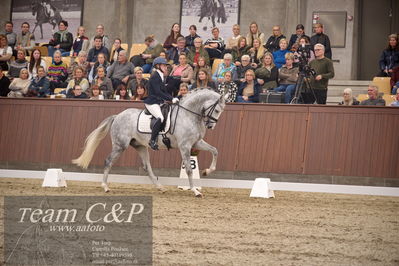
(182, 71)
(96, 50)
(273, 43)
(4, 84)
(10, 35)
(204, 80)
(5, 52)
(396, 102)
(81, 61)
(243, 67)
(240, 50)
(389, 59)
(137, 80)
(279, 56)
(40, 85)
(121, 70)
(77, 93)
(249, 90)
(25, 39)
(116, 49)
(78, 79)
(215, 45)
(19, 63)
(57, 72)
(145, 59)
(104, 83)
(174, 52)
(140, 93)
(321, 38)
(171, 40)
(228, 86)
(104, 38)
(19, 86)
(267, 73)
(324, 69)
(62, 40)
(201, 64)
(288, 76)
(348, 98)
(81, 42)
(395, 88)
(196, 52)
(300, 32)
(191, 37)
(374, 98)
(121, 91)
(101, 62)
(183, 90)
(253, 34)
(95, 93)
(256, 52)
(233, 40)
(226, 65)
(36, 60)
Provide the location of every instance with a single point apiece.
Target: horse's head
(213, 111)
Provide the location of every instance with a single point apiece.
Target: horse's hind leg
(185, 155)
(204, 146)
(112, 157)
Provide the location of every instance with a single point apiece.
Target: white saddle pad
(144, 123)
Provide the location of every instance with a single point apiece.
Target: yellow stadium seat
(362, 97)
(43, 50)
(388, 99)
(215, 64)
(383, 83)
(125, 46)
(137, 48)
(58, 90)
(67, 60)
(146, 75)
(48, 60)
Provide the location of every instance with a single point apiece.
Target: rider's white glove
(175, 100)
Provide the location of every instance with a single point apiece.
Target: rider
(156, 96)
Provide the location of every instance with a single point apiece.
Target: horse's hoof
(106, 188)
(199, 195)
(204, 172)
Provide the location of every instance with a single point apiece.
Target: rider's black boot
(154, 135)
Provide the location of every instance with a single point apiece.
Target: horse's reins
(208, 115)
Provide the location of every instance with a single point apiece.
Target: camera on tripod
(303, 56)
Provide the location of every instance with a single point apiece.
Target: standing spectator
(196, 52)
(96, 50)
(104, 38)
(273, 43)
(154, 49)
(5, 52)
(226, 65)
(321, 38)
(389, 59)
(101, 62)
(36, 60)
(120, 71)
(256, 52)
(57, 72)
(204, 80)
(174, 52)
(62, 40)
(348, 98)
(396, 102)
(171, 40)
(201, 64)
(77, 93)
(10, 35)
(233, 40)
(215, 45)
(116, 49)
(182, 71)
(267, 73)
(279, 55)
(81, 61)
(238, 51)
(40, 85)
(324, 69)
(249, 90)
(300, 32)
(253, 34)
(78, 79)
(374, 98)
(192, 36)
(25, 39)
(104, 83)
(4, 84)
(228, 86)
(19, 86)
(140, 94)
(81, 42)
(288, 76)
(17, 64)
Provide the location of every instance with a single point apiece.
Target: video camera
(303, 57)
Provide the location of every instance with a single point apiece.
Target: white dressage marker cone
(54, 178)
(194, 167)
(261, 189)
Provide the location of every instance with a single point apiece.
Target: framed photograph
(206, 14)
(43, 16)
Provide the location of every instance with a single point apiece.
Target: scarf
(63, 35)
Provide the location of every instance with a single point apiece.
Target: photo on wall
(43, 16)
(206, 14)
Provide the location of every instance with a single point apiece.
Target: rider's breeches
(155, 110)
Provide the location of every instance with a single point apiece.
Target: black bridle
(206, 114)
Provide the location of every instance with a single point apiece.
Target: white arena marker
(261, 189)
(54, 178)
(194, 167)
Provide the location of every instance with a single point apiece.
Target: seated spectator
(389, 59)
(96, 50)
(81, 43)
(81, 61)
(196, 52)
(303, 47)
(256, 52)
(183, 90)
(267, 73)
(5, 52)
(36, 60)
(300, 32)
(228, 86)
(116, 49)
(182, 71)
(104, 38)
(273, 43)
(191, 37)
(121, 91)
(140, 93)
(240, 50)
(62, 40)
(215, 46)
(288, 76)
(138, 79)
(395, 88)
(279, 55)
(19, 86)
(243, 67)
(254, 33)
(78, 79)
(233, 40)
(204, 80)
(95, 93)
(201, 64)
(104, 83)
(16, 65)
(77, 93)
(25, 39)
(249, 90)
(348, 98)
(10, 35)
(396, 102)
(120, 71)
(171, 40)
(374, 98)
(174, 52)
(320, 37)
(226, 65)
(145, 59)
(101, 62)
(40, 85)
(57, 72)
(4, 84)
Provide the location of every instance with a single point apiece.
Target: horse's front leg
(185, 155)
(204, 146)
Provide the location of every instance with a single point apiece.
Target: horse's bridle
(206, 114)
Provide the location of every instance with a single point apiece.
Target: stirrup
(153, 144)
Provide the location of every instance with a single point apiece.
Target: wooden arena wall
(287, 139)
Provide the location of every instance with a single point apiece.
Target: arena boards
(206, 182)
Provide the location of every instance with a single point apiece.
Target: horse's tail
(92, 142)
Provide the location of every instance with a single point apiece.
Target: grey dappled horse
(197, 111)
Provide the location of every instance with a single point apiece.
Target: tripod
(302, 78)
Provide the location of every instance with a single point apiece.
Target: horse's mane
(199, 90)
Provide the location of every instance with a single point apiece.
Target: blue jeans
(241, 100)
(289, 91)
(51, 51)
(147, 68)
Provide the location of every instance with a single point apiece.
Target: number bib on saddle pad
(146, 120)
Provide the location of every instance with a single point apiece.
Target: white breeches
(155, 110)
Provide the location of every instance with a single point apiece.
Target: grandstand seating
(383, 83)
(215, 64)
(43, 50)
(137, 48)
